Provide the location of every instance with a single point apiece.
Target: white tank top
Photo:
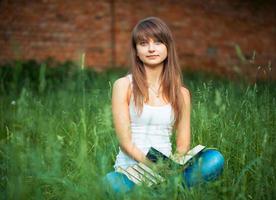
(152, 128)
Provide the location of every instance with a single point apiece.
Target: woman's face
(151, 52)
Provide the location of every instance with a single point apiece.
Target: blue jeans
(206, 167)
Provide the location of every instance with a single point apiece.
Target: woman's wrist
(181, 151)
(147, 162)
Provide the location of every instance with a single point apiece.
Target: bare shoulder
(186, 94)
(121, 89)
(121, 83)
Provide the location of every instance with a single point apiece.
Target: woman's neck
(154, 75)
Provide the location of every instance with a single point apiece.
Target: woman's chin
(153, 63)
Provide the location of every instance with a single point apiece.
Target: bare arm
(120, 111)
(183, 132)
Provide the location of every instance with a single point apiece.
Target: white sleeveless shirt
(152, 128)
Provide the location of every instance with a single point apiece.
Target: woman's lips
(152, 56)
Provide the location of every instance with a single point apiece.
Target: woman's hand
(176, 157)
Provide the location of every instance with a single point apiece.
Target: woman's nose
(151, 47)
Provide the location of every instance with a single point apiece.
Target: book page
(190, 154)
(139, 175)
(147, 176)
(131, 177)
(151, 172)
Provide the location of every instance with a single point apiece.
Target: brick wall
(205, 32)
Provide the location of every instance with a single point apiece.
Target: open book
(140, 173)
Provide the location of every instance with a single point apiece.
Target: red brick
(205, 33)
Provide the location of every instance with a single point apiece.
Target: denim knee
(208, 166)
(118, 182)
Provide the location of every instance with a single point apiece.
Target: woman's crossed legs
(206, 167)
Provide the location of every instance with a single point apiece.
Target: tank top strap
(129, 76)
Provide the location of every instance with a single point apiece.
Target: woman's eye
(158, 42)
(142, 43)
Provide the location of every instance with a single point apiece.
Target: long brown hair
(171, 76)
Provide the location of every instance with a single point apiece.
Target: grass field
(58, 140)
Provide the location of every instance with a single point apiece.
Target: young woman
(151, 102)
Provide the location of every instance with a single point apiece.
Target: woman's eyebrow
(143, 39)
(147, 40)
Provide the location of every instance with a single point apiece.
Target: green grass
(58, 140)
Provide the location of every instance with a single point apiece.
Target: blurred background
(224, 37)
